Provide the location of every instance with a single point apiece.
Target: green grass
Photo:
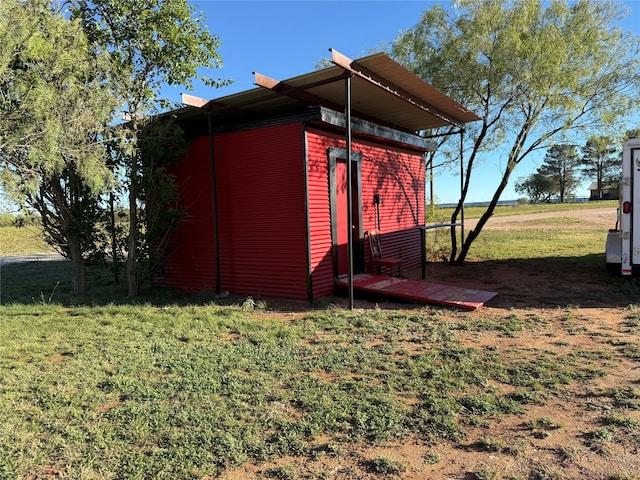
(444, 214)
(528, 244)
(183, 389)
(523, 243)
(145, 391)
(22, 241)
(185, 386)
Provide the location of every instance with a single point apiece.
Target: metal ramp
(419, 291)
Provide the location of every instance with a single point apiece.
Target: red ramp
(419, 291)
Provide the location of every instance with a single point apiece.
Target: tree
(602, 161)
(53, 109)
(152, 43)
(532, 71)
(634, 133)
(561, 168)
(537, 187)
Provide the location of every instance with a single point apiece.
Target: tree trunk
(114, 240)
(132, 257)
(132, 260)
(78, 267)
(473, 234)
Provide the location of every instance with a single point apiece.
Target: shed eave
(371, 129)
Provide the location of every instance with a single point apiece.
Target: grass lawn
(188, 390)
(174, 386)
(22, 241)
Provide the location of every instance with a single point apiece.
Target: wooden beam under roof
(213, 106)
(301, 93)
(362, 72)
(194, 101)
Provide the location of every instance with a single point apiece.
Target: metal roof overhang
(383, 92)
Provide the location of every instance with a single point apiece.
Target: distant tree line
(565, 166)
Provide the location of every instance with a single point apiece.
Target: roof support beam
(299, 93)
(211, 106)
(360, 71)
(197, 102)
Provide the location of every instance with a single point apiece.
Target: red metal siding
(261, 211)
(261, 193)
(396, 175)
(320, 214)
(191, 264)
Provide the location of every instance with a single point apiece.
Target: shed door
(339, 220)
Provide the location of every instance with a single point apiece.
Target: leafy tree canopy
(561, 168)
(602, 162)
(531, 69)
(537, 187)
(53, 107)
(152, 43)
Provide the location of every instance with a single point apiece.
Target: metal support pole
(214, 199)
(461, 186)
(347, 109)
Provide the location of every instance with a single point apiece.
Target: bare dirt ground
(599, 217)
(577, 311)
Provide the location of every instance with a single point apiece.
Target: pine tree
(561, 168)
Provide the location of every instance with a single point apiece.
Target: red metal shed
(265, 181)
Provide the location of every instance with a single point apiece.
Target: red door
(341, 216)
(341, 221)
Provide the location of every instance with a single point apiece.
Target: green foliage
(537, 187)
(385, 466)
(560, 167)
(150, 43)
(490, 444)
(614, 419)
(54, 109)
(531, 70)
(53, 104)
(602, 162)
(544, 423)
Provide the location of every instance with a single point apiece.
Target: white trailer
(622, 250)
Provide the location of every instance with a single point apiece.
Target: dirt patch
(572, 311)
(601, 218)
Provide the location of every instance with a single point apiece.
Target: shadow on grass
(44, 282)
(581, 281)
(539, 282)
(50, 282)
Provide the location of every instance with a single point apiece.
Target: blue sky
(283, 39)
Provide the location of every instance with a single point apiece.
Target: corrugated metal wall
(191, 263)
(396, 175)
(320, 213)
(398, 178)
(261, 211)
(261, 195)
